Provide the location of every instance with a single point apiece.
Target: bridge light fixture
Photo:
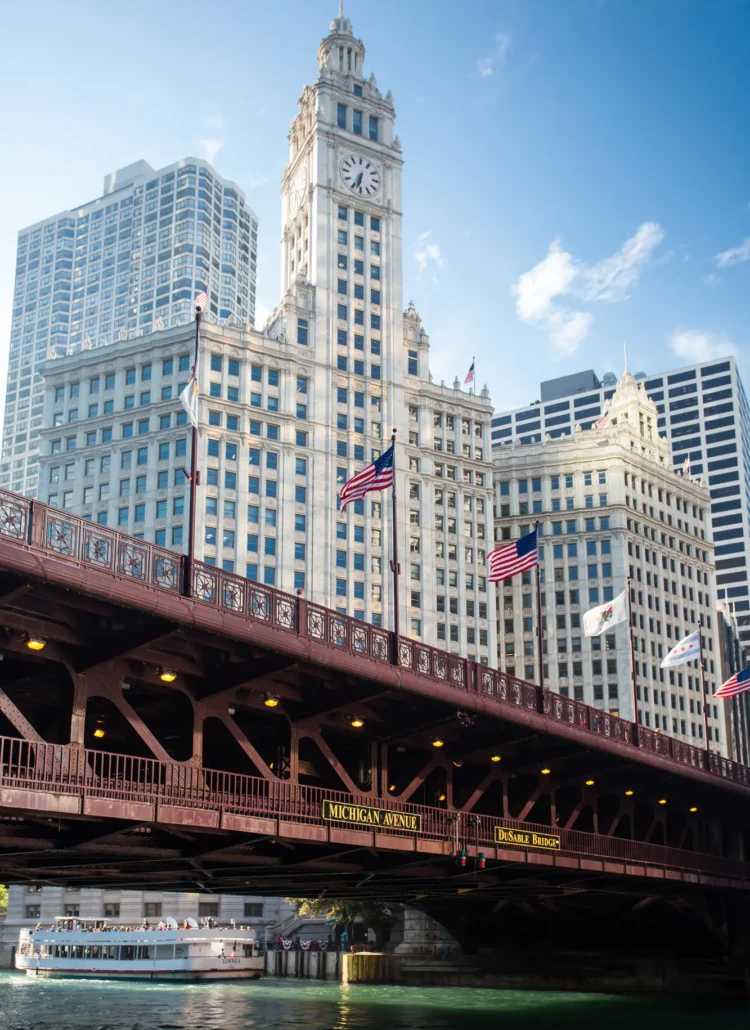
(662, 801)
(590, 783)
(629, 793)
(495, 757)
(545, 771)
(99, 732)
(694, 808)
(270, 700)
(167, 675)
(392, 788)
(357, 723)
(438, 742)
(458, 762)
(35, 643)
(441, 797)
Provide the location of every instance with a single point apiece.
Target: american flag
(201, 300)
(737, 684)
(376, 476)
(469, 375)
(602, 422)
(508, 560)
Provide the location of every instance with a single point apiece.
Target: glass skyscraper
(127, 263)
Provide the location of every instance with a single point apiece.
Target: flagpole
(703, 690)
(474, 380)
(193, 470)
(394, 562)
(539, 627)
(632, 663)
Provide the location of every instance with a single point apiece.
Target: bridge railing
(30, 765)
(78, 540)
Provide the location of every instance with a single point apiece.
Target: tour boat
(93, 948)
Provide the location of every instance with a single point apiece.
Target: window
(302, 331)
(112, 910)
(152, 909)
(341, 123)
(373, 127)
(357, 122)
(33, 911)
(253, 910)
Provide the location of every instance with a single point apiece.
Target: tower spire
(341, 8)
(625, 348)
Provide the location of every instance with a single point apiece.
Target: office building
(612, 512)
(703, 414)
(289, 414)
(121, 265)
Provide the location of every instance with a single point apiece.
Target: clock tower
(341, 256)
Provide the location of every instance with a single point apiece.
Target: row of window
(168, 367)
(357, 123)
(556, 483)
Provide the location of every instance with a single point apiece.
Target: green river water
(30, 1004)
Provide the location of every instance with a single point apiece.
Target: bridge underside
(215, 780)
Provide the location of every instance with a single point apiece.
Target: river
(270, 1004)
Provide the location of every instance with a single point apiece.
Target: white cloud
(694, 346)
(560, 274)
(262, 314)
(425, 252)
(213, 126)
(711, 279)
(735, 255)
(611, 279)
(486, 65)
(257, 182)
(210, 148)
(568, 329)
(550, 278)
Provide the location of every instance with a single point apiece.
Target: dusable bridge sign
(527, 838)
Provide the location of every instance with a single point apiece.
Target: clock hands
(358, 180)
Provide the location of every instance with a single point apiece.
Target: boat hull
(182, 975)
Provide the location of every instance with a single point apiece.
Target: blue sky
(577, 173)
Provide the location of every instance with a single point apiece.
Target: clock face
(298, 190)
(360, 175)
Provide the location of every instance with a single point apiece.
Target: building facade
(613, 516)
(123, 264)
(28, 905)
(289, 414)
(704, 415)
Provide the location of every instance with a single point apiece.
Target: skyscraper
(128, 262)
(287, 415)
(704, 415)
(613, 516)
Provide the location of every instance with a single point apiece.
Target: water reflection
(314, 1005)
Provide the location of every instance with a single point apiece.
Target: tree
(3, 900)
(374, 914)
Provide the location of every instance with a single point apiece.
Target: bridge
(185, 728)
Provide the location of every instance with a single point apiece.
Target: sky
(577, 173)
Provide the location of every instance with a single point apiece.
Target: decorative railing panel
(71, 538)
(37, 766)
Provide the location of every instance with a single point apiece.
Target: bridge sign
(527, 838)
(383, 818)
